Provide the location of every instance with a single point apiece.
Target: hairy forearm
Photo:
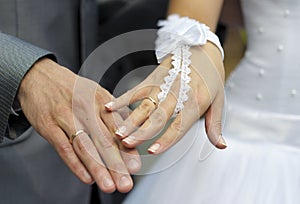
(202, 10)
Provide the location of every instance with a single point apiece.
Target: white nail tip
(121, 131)
(154, 147)
(109, 105)
(129, 140)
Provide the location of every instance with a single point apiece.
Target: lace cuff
(175, 37)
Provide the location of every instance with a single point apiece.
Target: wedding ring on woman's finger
(75, 135)
(152, 100)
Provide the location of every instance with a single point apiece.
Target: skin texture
(206, 96)
(58, 103)
(206, 12)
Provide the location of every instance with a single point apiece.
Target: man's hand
(59, 103)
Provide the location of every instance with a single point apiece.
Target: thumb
(213, 122)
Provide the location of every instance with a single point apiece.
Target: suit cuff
(16, 58)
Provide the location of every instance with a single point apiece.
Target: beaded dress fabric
(261, 164)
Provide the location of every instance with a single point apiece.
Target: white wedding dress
(261, 164)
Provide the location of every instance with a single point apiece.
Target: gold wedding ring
(75, 135)
(152, 100)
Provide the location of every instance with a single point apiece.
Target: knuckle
(216, 128)
(78, 168)
(168, 140)
(65, 149)
(83, 144)
(98, 97)
(62, 110)
(118, 167)
(103, 142)
(134, 120)
(107, 141)
(61, 113)
(46, 124)
(82, 104)
(159, 117)
(97, 169)
(203, 101)
(178, 127)
(101, 94)
(145, 106)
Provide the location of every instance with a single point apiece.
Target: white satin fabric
(262, 162)
(177, 31)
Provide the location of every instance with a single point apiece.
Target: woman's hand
(206, 95)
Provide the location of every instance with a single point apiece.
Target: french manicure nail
(121, 131)
(108, 182)
(109, 105)
(129, 140)
(221, 144)
(124, 181)
(154, 148)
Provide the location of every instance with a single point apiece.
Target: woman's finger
(154, 124)
(191, 112)
(213, 122)
(143, 90)
(131, 96)
(138, 115)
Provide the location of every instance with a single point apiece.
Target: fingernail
(124, 181)
(154, 148)
(221, 144)
(109, 105)
(87, 176)
(108, 182)
(133, 164)
(129, 140)
(121, 131)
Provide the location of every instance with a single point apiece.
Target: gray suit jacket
(30, 170)
(64, 27)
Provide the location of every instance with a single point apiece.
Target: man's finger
(111, 156)
(65, 150)
(89, 155)
(131, 157)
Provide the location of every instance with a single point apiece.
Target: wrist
(177, 31)
(214, 55)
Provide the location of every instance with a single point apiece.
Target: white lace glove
(188, 82)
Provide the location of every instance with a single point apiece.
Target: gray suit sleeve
(16, 58)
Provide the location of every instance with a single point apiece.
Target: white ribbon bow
(178, 31)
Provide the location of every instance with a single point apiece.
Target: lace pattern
(181, 63)
(176, 36)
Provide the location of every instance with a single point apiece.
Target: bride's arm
(204, 11)
(204, 82)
